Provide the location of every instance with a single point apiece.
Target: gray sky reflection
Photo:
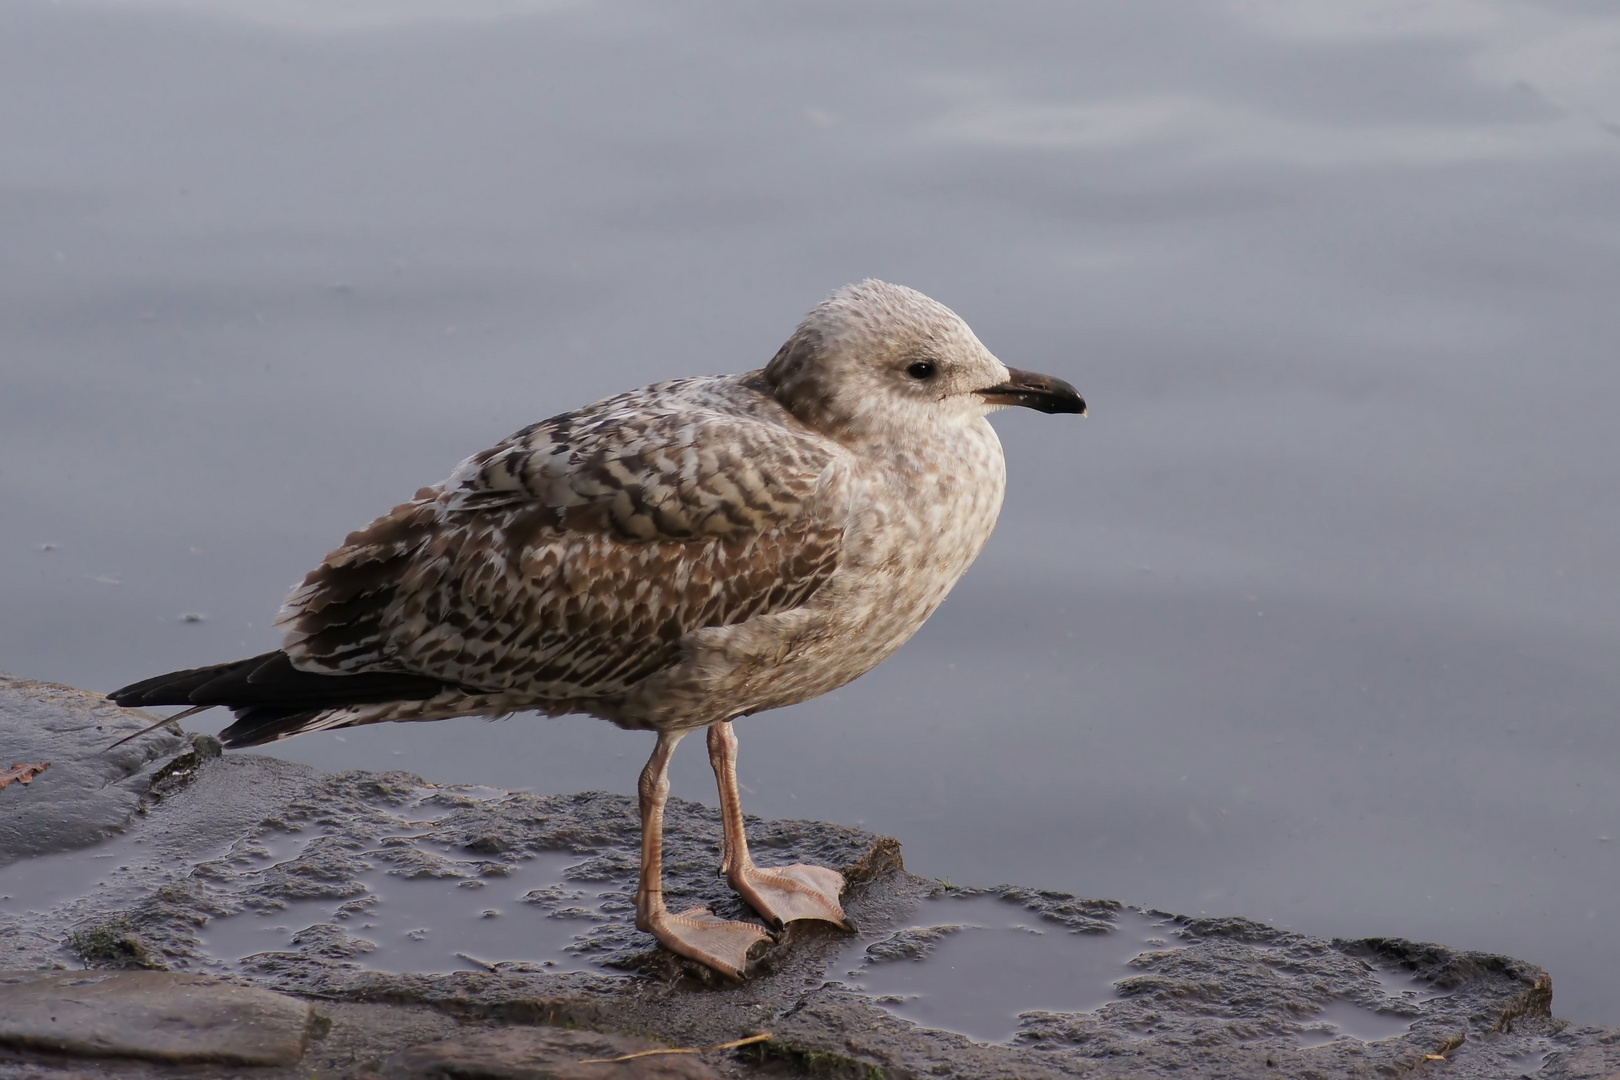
(1313, 620)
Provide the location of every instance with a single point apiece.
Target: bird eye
(922, 369)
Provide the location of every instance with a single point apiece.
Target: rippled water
(1313, 620)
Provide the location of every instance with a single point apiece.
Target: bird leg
(780, 893)
(695, 933)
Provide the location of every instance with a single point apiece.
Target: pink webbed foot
(784, 893)
(696, 934)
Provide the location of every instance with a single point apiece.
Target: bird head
(874, 359)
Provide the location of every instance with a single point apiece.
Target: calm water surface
(1314, 620)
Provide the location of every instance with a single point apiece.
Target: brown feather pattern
(570, 560)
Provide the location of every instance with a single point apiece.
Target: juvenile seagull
(668, 559)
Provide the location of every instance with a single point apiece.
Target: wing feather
(570, 560)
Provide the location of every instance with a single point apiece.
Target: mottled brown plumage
(567, 563)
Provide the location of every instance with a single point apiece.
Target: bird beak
(1035, 391)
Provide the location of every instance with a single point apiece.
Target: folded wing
(569, 561)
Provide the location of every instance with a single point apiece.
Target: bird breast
(918, 517)
(932, 506)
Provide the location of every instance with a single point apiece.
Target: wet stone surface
(455, 930)
(540, 1054)
(86, 793)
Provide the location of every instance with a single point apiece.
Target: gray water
(1313, 620)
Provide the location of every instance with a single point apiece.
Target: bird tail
(271, 698)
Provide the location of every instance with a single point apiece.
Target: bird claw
(783, 894)
(698, 935)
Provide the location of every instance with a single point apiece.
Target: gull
(669, 559)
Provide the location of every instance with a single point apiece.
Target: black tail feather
(269, 696)
(260, 725)
(175, 687)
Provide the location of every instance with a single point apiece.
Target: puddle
(974, 963)
(429, 923)
(1403, 987)
(1531, 1061)
(426, 907)
(44, 882)
(1345, 1019)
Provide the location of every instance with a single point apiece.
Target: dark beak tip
(1044, 393)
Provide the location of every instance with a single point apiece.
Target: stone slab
(541, 1053)
(159, 1016)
